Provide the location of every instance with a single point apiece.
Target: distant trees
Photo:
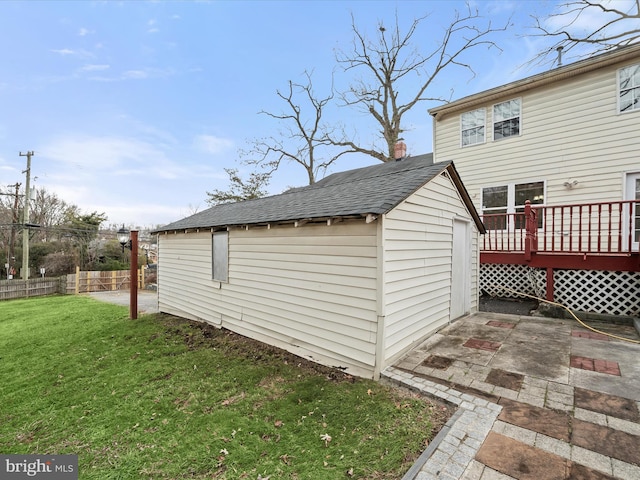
(597, 26)
(81, 230)
(64, 238)
(240, 189)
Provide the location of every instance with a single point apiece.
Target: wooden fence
(34, 287)
(98, 281)
(79, 282)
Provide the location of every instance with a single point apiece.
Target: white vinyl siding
(573, 133)
(418, 242)
(310, 290)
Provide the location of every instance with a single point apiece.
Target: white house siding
(418, 242)
(310, 290)
(570, 130)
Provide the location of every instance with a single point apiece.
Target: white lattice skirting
(511, 281)
(595, 291)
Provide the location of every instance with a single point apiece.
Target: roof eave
(466, 198)
(535, 81)
(297, 222)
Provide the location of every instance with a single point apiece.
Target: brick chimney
(400, 151)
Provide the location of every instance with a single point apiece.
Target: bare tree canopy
(394, 75)
(240, 189)
(588, 27)
(302, 138)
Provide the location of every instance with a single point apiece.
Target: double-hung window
(506, 119)
(500, 203)
(629, 88)
(472, 127)
(220, 256)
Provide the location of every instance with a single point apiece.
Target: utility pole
(25, 218)
(14, 225)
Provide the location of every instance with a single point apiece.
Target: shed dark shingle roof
(370, 190)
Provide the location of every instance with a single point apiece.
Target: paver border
(452, 450)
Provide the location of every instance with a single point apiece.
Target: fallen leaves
(326, 438)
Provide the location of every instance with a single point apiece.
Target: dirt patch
(198, 335)
(507, 305)
(436, 361)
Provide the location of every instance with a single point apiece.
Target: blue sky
(135, 108)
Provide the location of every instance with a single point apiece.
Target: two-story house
(568, 141)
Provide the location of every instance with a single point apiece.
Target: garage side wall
(310, 290)
(418, 245)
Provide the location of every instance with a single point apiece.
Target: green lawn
(163, 397)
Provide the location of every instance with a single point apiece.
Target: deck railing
(593, 228)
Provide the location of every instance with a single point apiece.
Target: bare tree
(615, 27)
(48, 210)
(240, 189)
(389, 67)
(303, 138)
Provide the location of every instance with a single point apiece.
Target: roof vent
(559, 49)
(400, 151)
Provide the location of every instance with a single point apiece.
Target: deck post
(133, 276)
(549, 284)
(531, 226)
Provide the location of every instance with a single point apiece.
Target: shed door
(461, 268)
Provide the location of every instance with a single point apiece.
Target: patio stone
(540, 420)
(501, 378)
(522, 461)
(606, 441)
(606, 404)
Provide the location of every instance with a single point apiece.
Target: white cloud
(84, 31)
(212, 145)
(101, 153)
(135, 74)
(75, 53)
(152, 24)
(94, 68)
(138, 180)
(64, 51)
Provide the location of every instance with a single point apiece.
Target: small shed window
(220, 256)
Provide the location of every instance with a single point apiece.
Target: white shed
(350, 272)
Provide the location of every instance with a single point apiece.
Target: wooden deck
(594, 236)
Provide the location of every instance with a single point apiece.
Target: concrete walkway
(539, 399)
(147, 299)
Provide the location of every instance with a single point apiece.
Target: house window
(506, 119)
(472, 127)
(629, 85)
(500, 203)
(220, 256)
